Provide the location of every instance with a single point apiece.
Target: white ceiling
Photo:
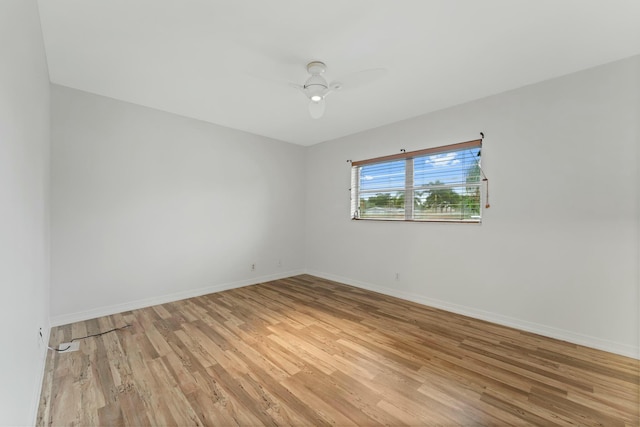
(228, 62)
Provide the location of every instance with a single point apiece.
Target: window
(436, 184)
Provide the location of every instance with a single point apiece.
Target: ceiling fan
(316, 88)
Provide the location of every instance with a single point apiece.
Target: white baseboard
(536, 328)
(80, 316)
(37, 387)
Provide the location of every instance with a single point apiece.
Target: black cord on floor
(88, 336)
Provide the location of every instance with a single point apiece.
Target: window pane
(381, 176)
(444, 203)
(382, 205)
(454, 167)
(446, 186)
(381, 190)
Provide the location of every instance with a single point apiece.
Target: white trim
(536, 328)
(65, 319)
(37, 387)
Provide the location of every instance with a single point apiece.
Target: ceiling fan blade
(296, 86)
(334, 86)
(316, 109)
(358, 79)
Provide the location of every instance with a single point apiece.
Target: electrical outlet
(397, 276)
(253, 267)
(279, 263)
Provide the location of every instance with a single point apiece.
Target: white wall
(557, 252)
(24, 210)
(150, 207)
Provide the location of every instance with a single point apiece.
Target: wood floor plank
(308, 351)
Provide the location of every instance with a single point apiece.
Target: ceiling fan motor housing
(316, 86)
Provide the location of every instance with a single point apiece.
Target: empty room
(242, 213)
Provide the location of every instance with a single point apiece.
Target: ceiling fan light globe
(316, 98)
(316, 109)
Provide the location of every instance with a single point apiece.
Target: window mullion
(408, 190)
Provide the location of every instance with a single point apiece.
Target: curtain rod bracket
(482, 135)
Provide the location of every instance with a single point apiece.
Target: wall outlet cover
(72, 346)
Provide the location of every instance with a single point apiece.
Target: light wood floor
(306, 351)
